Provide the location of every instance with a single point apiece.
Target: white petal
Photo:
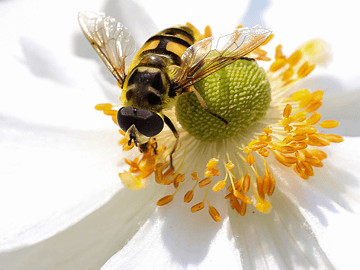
(281, 239)
(174, 238)
(51, 178)
(330, 201)
(345, 108)
(338, 103)
(197, 13)
(294, 25)
(90, 242)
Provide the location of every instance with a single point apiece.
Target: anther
(329, 124)
(241, 196)
(294, 58)
(300, 95)
(313, 119)
(246, 184)
(165, 200)
(212, 163)
(197, 207)
(287, 111)
(214, 214)
(260, 187)
(250, 159)
(204, 182)
(219, 185)
(189, 196)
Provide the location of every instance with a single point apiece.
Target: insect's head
(139, 124)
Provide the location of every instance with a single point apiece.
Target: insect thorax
(154, 69)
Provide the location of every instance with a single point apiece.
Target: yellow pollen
(250, 159)
(246, 185)
(272, 188)
(260, 187)
(104, 107)
(229, 165)
(264, 207)
(314, 118)
(288, 74)
(194, 176)
(318, 153)
(189, 196)
(242, 209)
(165, 200)
(279, 63)
(197, 207)
(294, 58)
(334, 138)
(329, 124)
(240, 195)
(219, 185)
(305, 69)
(278, 53)
(204, 182)
(212, 163)
(313, 107)
(264, 152)
(287, 111)
(300, 95)
(214, 214)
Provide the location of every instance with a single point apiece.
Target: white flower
(62, 203)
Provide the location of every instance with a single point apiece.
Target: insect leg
(203, 104)
(247, 58)
(176, 134)
(154, 147)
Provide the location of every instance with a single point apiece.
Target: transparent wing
(110, 40)
(209, 55)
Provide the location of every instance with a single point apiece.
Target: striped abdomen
(169, 44)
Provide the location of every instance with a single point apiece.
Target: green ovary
(240, 93)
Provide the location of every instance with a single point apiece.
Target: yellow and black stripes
(169, 44)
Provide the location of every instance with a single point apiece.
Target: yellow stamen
(264, 207)
(197, 207)
(260, 187)
(242, 209)
(246, 184)
(300, 95)
(204, 182)
(287, 111)
(219, 186)
(189, 196)
(194, 176)
(214, 214)
(329, 124)
(313, 119)
(240, 195)
(165, 200)
(279, 63)
(250, 159)
(212, 163)
(103, 106)
(294, 58)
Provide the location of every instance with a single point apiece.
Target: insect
(168, 65)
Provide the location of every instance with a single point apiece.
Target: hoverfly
(167, 66)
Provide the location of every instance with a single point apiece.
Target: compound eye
(146, 122)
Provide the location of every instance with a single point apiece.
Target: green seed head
(239, 92)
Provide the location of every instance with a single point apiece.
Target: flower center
(240, 93)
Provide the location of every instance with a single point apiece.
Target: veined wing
(110, 39)
(209, 55)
